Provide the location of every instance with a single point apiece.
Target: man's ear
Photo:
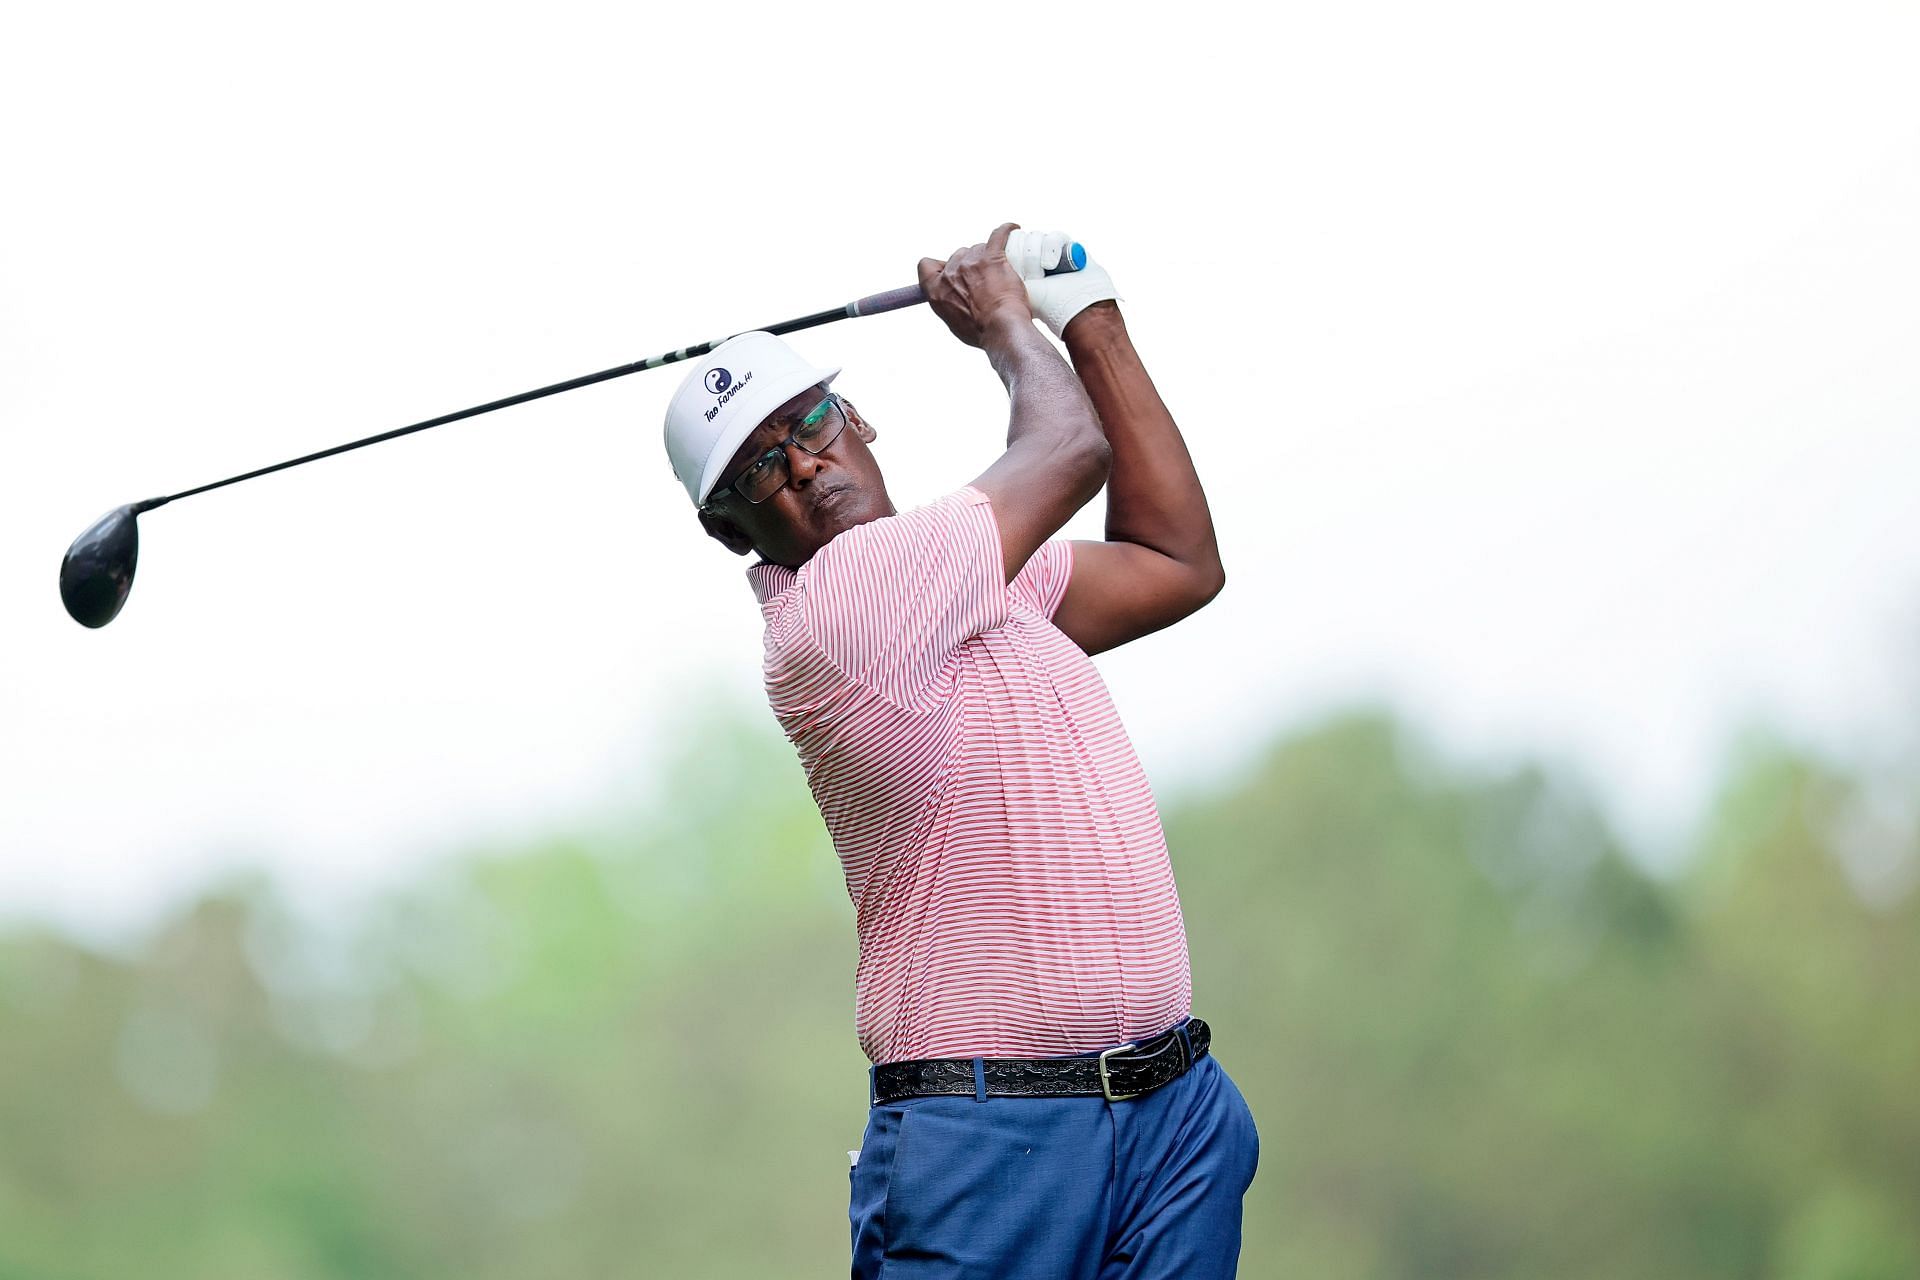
(725, 532)
(861, 427)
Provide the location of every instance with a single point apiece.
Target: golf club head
(97, 572)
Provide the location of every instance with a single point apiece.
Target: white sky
(1551, 374)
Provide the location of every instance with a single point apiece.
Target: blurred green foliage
(1478, 1041)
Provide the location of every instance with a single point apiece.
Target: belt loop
(1187, 1042)
(873, 1085)
(979, 1079)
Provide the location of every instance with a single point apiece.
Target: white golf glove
(1056, 299)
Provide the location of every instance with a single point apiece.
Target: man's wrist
(1097, 325)
(1006, 325)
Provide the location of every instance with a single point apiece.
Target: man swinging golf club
(1043, 1103)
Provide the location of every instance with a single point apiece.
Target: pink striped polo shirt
(1009, 876)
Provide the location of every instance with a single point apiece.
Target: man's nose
(801, 465)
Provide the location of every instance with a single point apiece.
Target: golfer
(1043, 1104)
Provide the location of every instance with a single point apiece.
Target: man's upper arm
(1120, 591)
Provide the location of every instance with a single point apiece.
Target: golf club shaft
(873, 304)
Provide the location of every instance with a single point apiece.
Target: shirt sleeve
(888, 602)
(1042, 584)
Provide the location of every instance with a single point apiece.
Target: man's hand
(1057, 299)
(976, 289)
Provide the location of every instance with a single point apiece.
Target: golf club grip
(1072, 258)
(892, 300)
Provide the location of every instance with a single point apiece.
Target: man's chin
(842, 509)
(834, 514)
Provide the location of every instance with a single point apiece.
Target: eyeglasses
(768, 474)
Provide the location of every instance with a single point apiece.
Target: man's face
(825, 493)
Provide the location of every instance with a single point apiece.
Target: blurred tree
(1478, 1040)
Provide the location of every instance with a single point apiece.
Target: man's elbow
(1092, 461)
(1189, 593)
(1208, 579)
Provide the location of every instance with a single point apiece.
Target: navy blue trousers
(1056, 1188)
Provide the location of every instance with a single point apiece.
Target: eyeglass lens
(815, 433)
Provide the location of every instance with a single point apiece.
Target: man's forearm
(1045, 398)
(1056, 457)
(1154, 496)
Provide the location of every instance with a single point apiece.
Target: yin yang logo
(718, 380)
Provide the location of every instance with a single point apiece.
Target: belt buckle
(1106, 1082)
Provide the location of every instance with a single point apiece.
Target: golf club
(97, 572)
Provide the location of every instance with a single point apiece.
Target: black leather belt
(1123, 1072)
